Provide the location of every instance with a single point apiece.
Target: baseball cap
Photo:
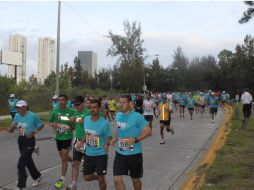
(12, 95)
(21, 103)
(55, 97)
(78, 100)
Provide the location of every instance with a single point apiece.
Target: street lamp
(58, 48)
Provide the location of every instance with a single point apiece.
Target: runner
(202, 103)
(97, 137)
(27, 124)
(213, 104)
(190, 105)
(131, 129)
(59, 120)
(182, 104)
(112, 108)
(138, 104)
(246, 100)
(149, 110)
(12, 105)
(165, 111)
(78, 116)
(55, 102)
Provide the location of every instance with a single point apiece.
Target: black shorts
(202, 106)
(182, 106)
(148, 117)
(190, 109)
(128, 165)
(77, 155)
(63, 144)
(247, 110)
(165, 122)
(96, 164)
(175, 101)
(213, 110)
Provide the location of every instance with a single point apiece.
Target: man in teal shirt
(132, 128)
(97, 136)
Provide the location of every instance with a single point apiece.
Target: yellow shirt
(112, 105)
(164, 111)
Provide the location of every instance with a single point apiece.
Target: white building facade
(46, 59)
(17, 43)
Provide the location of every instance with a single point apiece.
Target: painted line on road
(196, 176)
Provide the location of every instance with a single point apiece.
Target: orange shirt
(164, 111)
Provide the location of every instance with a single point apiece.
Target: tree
(131, 56)
(247, 15)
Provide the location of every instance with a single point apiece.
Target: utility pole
(58, 48)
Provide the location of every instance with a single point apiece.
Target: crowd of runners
(88, 126)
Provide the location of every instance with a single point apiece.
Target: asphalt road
(165, 166)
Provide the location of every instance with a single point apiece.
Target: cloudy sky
(201, 28)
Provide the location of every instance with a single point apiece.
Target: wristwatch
(136, 140)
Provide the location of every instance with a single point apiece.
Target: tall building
(47, 58)
(88, 60)
(17, 43)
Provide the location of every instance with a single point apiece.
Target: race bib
(21, 127)
(124, 145)
(82, 149)
(92, 141)
(62, 129)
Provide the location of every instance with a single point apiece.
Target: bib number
(92, 141)
(124, 145)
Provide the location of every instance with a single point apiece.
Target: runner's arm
(11, 128)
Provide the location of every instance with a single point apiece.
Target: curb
(196, 177)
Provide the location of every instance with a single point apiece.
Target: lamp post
(58, 48)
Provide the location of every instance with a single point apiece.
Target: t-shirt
(62, 117)
(12, 104)
(148, 107)
(112, 105)
(164, 111)
(27, 124)
(97, 134)
(129, 125)
(213, 102)
(79, 127)
(190, 102)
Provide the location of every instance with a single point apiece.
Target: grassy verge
(233, 168)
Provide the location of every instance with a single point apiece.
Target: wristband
(136, 140)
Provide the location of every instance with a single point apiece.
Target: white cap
(55, 97)
(21, 103)
(12, 95)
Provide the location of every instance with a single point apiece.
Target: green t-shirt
(62, 116)
(79, 127)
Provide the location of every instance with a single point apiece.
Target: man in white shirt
(246, 100)
(148, 107)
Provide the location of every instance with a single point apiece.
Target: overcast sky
(200, 28)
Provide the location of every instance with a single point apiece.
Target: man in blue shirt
(27, 124)
(131, 129)
(12, 105)
(213, 103)
(97, 137)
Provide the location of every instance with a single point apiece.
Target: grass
(233, 168)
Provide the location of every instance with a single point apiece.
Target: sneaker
(59, 184)
(162, 141)
(213, 121)
(172, 131)
(71, 187)
(36, 182)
